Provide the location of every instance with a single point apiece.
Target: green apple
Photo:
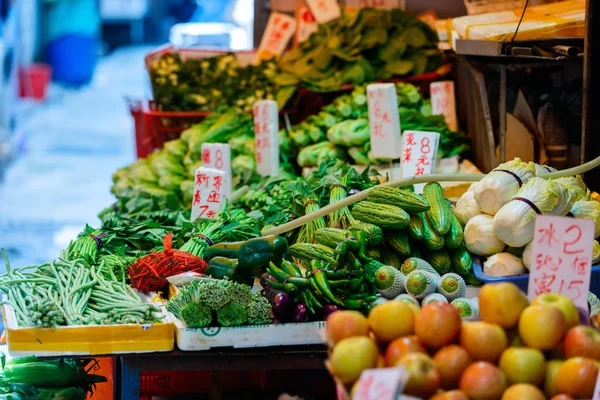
(563, 303)
(552, 368)
(523, 365)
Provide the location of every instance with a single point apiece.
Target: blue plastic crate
(522, 281)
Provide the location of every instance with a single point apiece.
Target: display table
(265, 358)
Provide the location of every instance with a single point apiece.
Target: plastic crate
(153, 128)
(522, 281)
(173, 383)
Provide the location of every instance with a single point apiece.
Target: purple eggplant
(282, 305)
(263, 279)
(300, 313)
(328, 310)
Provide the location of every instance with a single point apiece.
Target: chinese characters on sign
(384, 121)
(443, 102)
(208, 193)
(418, 153)
(218, 156)
(266, 137)
(325, 10)
(280, 29)
(561, 258)
(381, 384)
(306, 24)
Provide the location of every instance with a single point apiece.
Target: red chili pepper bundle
(149, 273)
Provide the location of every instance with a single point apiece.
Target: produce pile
(164, 180)
(28, 378)
(499, 213)
(518, 350)
(361, 46)
(210, 83)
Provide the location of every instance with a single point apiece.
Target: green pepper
(257, 252)
(356, 283)
(321, 281)
(291, 267)
(306, 300)
(313, 300)
(340, 283)
(227, 268)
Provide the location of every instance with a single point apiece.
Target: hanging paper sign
(306, 24)
(562, 258)
(443, 102)
(208, 193)
(380, 384)
(374, 3)
(280, 29)
(266, 137)
(418, 152)
(384, 121)
(218, 156)
(325, 10)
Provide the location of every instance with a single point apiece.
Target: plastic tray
(522, 281)
(87, 340)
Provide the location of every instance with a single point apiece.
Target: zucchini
(415, 227)
(432, 240)
(374, 253)
(391, 258)
(440, 261)
(408, 201)
(398, 241)
(454, 237)
(462, 261)
(330, 237)
(308, 252)
(373, 232)
(440, 214)
(382, 215)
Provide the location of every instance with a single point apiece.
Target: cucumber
(415, 227)
(439, 213)
(454, 238)
(432, 240)
(330, 237)
(382, 215)
(391, 258)
(308, 252)
(398, 242)
(462, 261)
(404, 199)
(440, 261)
(373, 232)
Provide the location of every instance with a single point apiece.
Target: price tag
(208, 193)
(418, 152)
(306, 24)
(280, 29)
(597, 389)
(384, 121)
(325, 10)
(381, 384)
(443, 102)
(218, 156)
(374, 3)
(561, 258)
(266, 137)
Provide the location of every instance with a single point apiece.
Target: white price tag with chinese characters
(443, 102)
(380, 384)
(325, 10)
(418, 152)
(218, 156)
(266, 137)
(280, 29)
(208, 193)
(306, 24)
(384, 121)
(597, 389)
(374, 3)
(561, 258)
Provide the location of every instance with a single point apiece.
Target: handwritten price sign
(380, 384)
(443, 102)
(266, 137)
(218, 156)
(280, 29)
(418, 152)
(306, 24)
(325, 10)
(384, 121)
(561, 258)
(208, 193)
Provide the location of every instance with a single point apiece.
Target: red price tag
(561, 258)
(380, 384)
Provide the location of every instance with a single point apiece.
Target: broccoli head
(196, 315)
(232, 314)
(239, 293)
(259, 312)
(214, 294)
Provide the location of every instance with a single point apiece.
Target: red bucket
(34, 81)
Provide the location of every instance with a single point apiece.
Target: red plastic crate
(153, 128)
